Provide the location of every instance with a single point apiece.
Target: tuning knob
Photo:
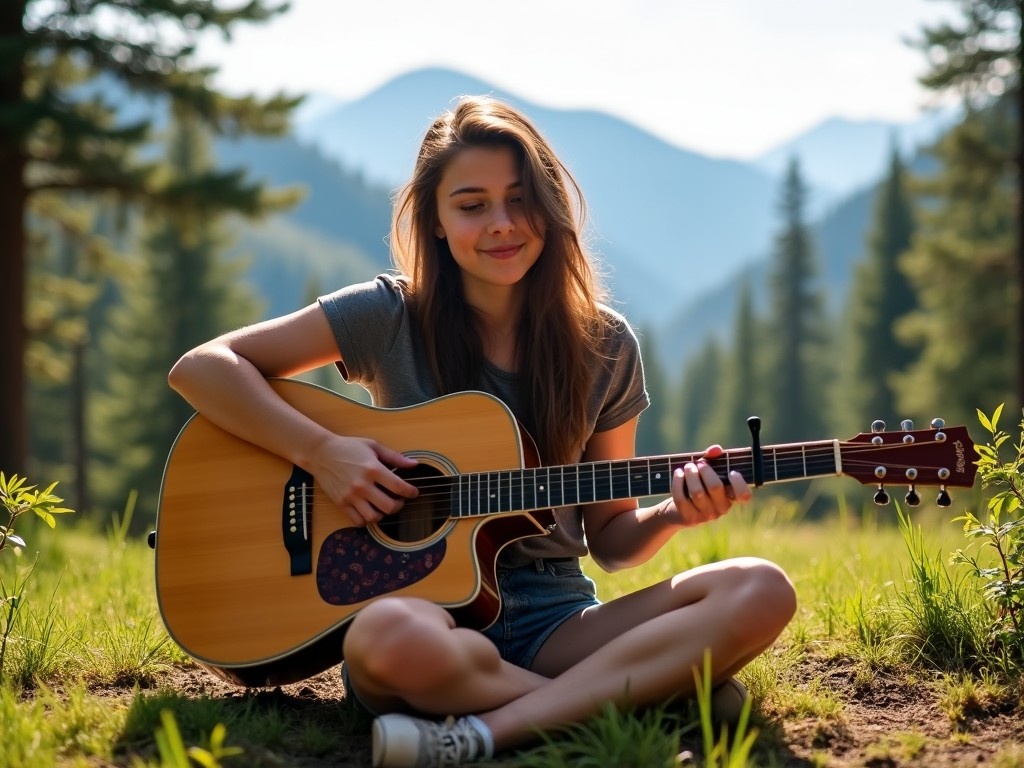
(943, 499)
(912, 498)
(938, 423)
(907, 425)
(878, 425)
(881, 497)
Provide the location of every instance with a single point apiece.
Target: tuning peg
(938, 423)
(943, 499)
(912, 498)
(881, 497)
(878, 425)
(907, 425)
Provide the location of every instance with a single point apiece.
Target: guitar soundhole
(425, 515)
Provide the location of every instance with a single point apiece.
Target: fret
(775, 462)
(602, 481)
(803, 458)
(543, 488)
(506, 505)
(571, 486)
(622, 480)
(515, 501)
(557, 488)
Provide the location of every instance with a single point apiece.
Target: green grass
(870, 592)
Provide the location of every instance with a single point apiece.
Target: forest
(127, 241)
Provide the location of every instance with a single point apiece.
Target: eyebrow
(479, 190)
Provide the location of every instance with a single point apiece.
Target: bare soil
(885, 722)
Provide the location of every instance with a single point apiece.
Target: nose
(501, 219)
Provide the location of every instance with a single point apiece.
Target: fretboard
(524, 490)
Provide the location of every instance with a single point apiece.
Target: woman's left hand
(699, 494)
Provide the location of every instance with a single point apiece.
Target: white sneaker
(401, 741)
(727, 701)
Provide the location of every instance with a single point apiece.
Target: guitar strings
(816, 458)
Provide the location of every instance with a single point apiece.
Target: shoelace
(455, 741)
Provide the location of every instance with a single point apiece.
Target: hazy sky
(722, 77)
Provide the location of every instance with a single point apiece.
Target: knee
(765, 600)
(383, 635)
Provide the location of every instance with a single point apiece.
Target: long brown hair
(560, 330)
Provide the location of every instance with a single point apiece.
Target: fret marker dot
(658, 476)
(542, 489)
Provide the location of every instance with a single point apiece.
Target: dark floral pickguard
(353, 566)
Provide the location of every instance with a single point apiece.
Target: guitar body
(258, 574)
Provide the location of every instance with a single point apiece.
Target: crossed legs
(637, 650)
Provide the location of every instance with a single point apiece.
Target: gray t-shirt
(383, 352)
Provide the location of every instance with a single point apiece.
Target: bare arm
(226, 380)
(622, 534)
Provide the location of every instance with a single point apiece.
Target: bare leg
(639, 649)
(407, 653)
(644, 647)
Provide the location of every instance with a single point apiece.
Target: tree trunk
(13, 200)
(1020, 215)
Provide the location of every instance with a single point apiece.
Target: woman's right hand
(357, 474)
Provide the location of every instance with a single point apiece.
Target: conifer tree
(178, 295)
(53, 138)
(962, 266)
(880, 295)
(699, 390)
(795, 325)
(739, 396)
(978, 58)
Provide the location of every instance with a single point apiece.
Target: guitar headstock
(941, 456)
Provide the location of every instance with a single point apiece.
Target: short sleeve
(365, 318)
(620, 386)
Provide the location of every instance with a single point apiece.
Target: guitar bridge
(297, 521)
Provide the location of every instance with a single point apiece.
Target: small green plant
(999, 533)
(173, 753)
(17, 499)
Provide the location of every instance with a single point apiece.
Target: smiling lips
(503, 251)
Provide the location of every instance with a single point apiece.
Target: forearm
(233, 394)
(635, 536)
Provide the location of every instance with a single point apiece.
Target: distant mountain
(671, 224)
(668, 221)
(839, 157)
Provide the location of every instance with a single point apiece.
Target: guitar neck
(525, 490)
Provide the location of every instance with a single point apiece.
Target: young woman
(495, 291)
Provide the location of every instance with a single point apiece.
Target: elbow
(608, 564)
(186, 373)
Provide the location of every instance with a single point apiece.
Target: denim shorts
(535, 600)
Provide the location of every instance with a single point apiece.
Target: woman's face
(481, 214)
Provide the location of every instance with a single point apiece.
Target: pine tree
(739, 396)
(53, 138)
(880, 296)
(700, 388)
(963, 269)
(175, 297)
(795, 325)
(978, 58)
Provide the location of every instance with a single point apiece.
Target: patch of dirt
(885, 721)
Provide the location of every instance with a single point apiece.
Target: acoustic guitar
(258, 573)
